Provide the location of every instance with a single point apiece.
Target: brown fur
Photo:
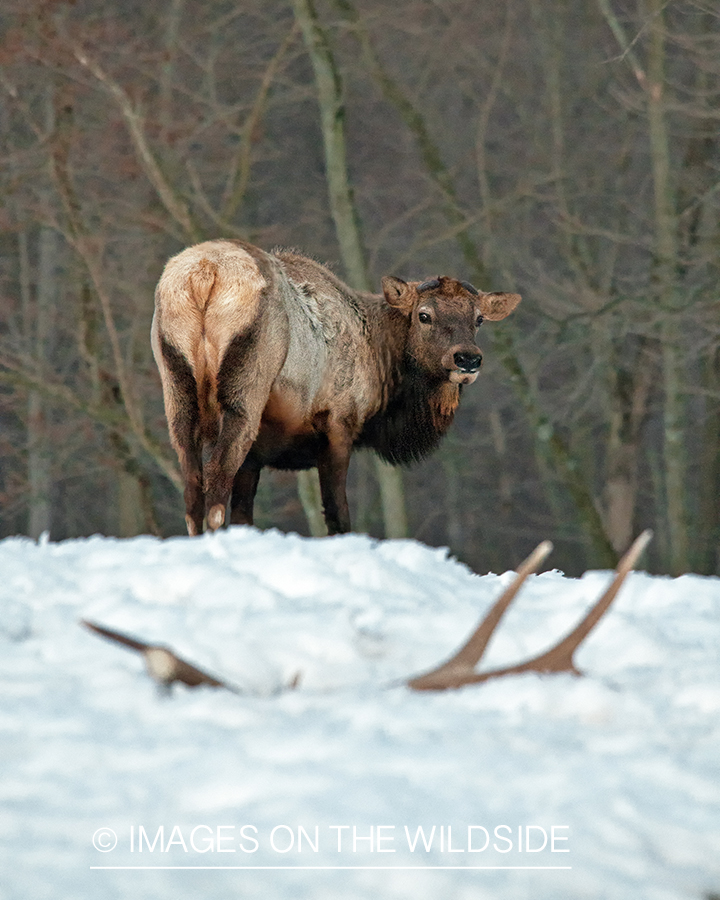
(270, 360)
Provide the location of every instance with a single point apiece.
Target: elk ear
(494, 307)
(398, 293)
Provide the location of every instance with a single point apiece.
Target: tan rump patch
(206, 295)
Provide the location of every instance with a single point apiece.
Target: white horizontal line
(334, 868)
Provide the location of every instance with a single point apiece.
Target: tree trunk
(332, 119)
(130, 516)
(345, 216)
(38, 323)
(552, 452)
(708, 528)
(666, 253)
(628, 393)
(168, 68)
(363, 493)
(452, 497)
(311, 500)
(392, 498)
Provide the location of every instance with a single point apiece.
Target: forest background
(567, 150)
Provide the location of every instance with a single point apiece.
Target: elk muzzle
(463, 364)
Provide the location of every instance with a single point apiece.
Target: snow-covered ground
(555, 787)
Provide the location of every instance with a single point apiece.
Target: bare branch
(21, 372)
(240, 174)
(172, 203)
(86, 246)
(625, 45)
(204, 203)
(332, 114)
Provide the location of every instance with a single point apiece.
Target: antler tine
(560, 657)
(116, 636)
(462, 664)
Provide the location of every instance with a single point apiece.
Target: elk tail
(201, 281)
(200, 284)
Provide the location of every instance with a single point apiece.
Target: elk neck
(417, 408)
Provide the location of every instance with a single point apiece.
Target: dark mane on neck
(418, 413)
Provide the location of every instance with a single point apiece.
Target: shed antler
(165, 667)
(162, 664)
(460, 669)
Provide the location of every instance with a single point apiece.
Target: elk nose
(468, 362)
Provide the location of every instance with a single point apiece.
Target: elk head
(444, 315)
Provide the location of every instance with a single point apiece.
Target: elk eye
(425, 318)
(478, 321)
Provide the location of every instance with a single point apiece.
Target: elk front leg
(333, 463)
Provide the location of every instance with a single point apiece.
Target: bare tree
(345, 216)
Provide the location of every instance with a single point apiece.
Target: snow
(612, 778)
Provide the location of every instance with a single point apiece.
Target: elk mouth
(460, 376)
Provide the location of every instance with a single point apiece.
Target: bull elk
(268, 359)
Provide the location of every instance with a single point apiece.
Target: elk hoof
(216, 517)
(191, 526)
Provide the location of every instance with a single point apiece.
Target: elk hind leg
(183, 415)
(243, 387)
(243, 494)
(234, 441)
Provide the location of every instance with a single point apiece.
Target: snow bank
(606, 786)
